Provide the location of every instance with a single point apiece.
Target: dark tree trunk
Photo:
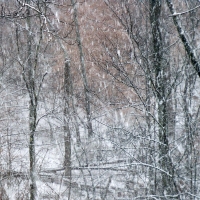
(67, 133)
(168, 184)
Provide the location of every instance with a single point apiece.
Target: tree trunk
(68, 92)
(83, 72)
(168, 187)
(32, 110)
(67, 133)
(32, 127)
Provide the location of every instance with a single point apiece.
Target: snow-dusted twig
(28, 5)
(182, 13)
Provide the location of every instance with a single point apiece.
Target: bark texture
(168, 188)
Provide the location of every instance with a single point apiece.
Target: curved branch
(188, 48)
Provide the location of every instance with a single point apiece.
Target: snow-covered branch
(188, 47)
(187, 11)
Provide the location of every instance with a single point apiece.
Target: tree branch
(182, 13)
(188, 48)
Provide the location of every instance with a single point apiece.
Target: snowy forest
(99, 99)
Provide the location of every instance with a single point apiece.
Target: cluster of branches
(114, 84)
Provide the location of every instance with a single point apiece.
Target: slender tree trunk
(83, 71)
(30, 80)
(67, 133)
(78, 137)
(32, 110)
(68, 92)
(32, 127)
(190, 152)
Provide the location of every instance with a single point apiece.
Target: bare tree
(29, 73)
